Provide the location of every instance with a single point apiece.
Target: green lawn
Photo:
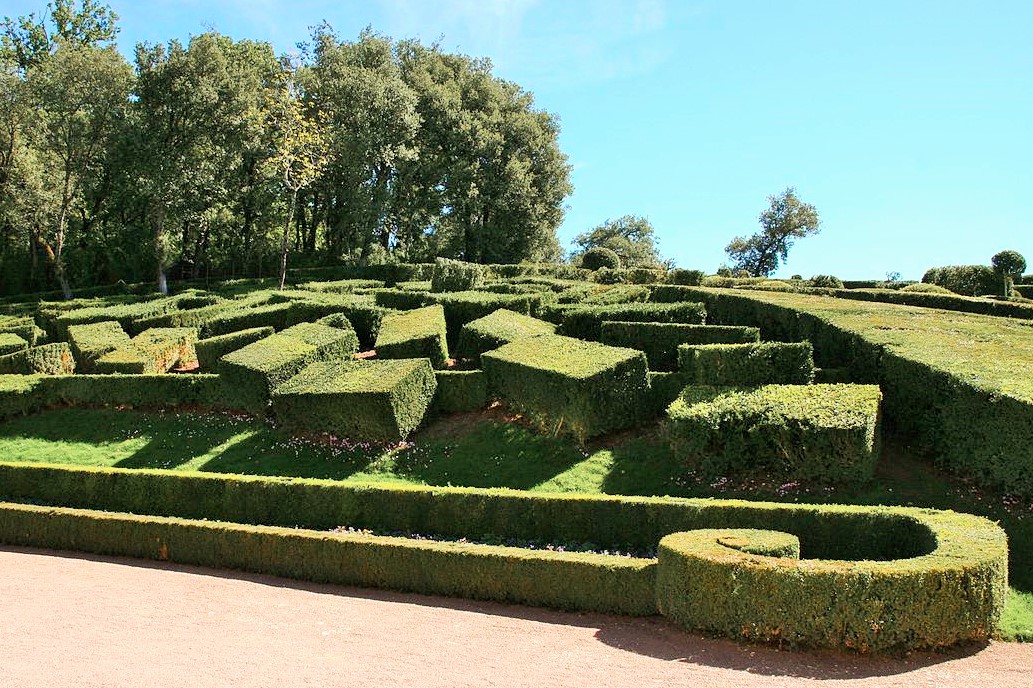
(484, 450)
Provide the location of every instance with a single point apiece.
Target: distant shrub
(967, 280)
(741, 273)
(618, 293)
(1009, 265)
(724, 271)
(825, 281)
(796, 278)
(600, 257)
(691, 278)
(920, 288)
(628, 276)
(456, 275)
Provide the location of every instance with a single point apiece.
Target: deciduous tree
(786, 219)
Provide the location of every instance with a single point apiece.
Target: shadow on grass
(274, 453)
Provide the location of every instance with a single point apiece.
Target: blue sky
(909, 125)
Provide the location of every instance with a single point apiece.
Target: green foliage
(821, 433)
(615, 294)
(585, 322)
(692, 278)
(456, 275)
(275, 315)
(360, 400)
(630, 237)
(156, 350)
(462, 307)
(664, 388)
(498, 328)
(18, 395)
(568, 385)
(967, 280)
(660, 341)
(125, 315)
(25, 328)
(760, 363)
(210, 350)
(921, 288)
(786, 219)
(400, 299)
(10, 343)
(460, 390)
(147, 391)
(600, 257)
(1010, 263)
(825, 281)
(47, 359)
(628, 276)
(938, 577)
(418, 333)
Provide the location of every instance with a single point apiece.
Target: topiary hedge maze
(371, 353)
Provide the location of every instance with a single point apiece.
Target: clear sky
(908, 124)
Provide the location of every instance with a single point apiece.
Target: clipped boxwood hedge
(823, 433)
(417, 333)
(91, 341)
(210, 350)
(462, 307)
(11, 343)
(362, 400)
(497, 328)
(569, 385)
(157, 350)
(25, 328)
(585, 321)
(456, 275)
(460, 390)
(659, 341)
(47, 359)
(875, 578)
(761, 363)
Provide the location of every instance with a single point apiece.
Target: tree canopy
(786, 219)
(196, 159)
(631, 237)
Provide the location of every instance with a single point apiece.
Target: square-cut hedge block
(157, 350)
(462, 307)
(92, 341)
(251, 373)
(363, 400)
(825, 433)
(763, 363)
(25, 328)
(497, 328)
(584, 321)
(10, 343)
(660, 341)
(47, 359)
(418, 333)
(211, 349)
(569, 385)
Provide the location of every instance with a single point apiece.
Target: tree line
(216, 157)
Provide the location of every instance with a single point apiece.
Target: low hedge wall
(874, 578)
(11, 343)
(457, 275)
(760, 363)
(210, 350)
(418, 333)
(660, 341)
(90, 342)
(25, 328)
(821, 433)
(157, 350)
(569, 385)
(148, 391)
(462, 307)
(585, 321)
(460, 390)
(47, 359)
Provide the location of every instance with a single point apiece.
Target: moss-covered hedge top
(336, 377)
(405, 326)
(823, 405)
(506, 325)
(566, 356)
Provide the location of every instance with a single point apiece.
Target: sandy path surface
(77, 620)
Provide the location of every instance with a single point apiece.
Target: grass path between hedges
(485, 450)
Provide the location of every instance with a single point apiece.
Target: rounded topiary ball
(600, 257)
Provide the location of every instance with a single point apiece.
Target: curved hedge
(874, 578)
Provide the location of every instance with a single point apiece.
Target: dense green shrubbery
(417, 333)
(275, 315)
(616, 294)
(462, 307)
(664, 388)
(692, 278)
(949, 301)
(362, 400)
(25, 328)
(585, 322)
(18, 395)
(967, 280)
(11, 343)
(156, 350)
(825, 282)
(922, 288)
(125, 314)
(761, 363)
(460, 390)
(875, 579)
(210, 350)
(660, 341)
(456, 275)
(498, 328)
(628, 275)
(90, 342)
(345, 286)
(569, 385)
(539, 270)
(600, 257)
(47, 359)
(825, 433)
(400, 299)
(148, 391)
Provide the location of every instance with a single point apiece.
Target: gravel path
(76, 620)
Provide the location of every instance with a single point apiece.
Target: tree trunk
(286, 237)
(159, 249)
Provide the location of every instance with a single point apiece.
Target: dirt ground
(77, 620)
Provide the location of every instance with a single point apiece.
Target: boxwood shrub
(456, 275)
(11, 343)
(460, 390)
(210, 350)
(363, 400)
(660, 341)
(90, 342)
(462, 307)
(760, 363)
(156, 350)
(497, 328)
(418, 333)
(47, 359)
(824, 433)
(569, 385)
(25, 328)
(585, 321)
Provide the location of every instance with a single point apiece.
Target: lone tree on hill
(1009, 265)
(631, 237)
(787, 219)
